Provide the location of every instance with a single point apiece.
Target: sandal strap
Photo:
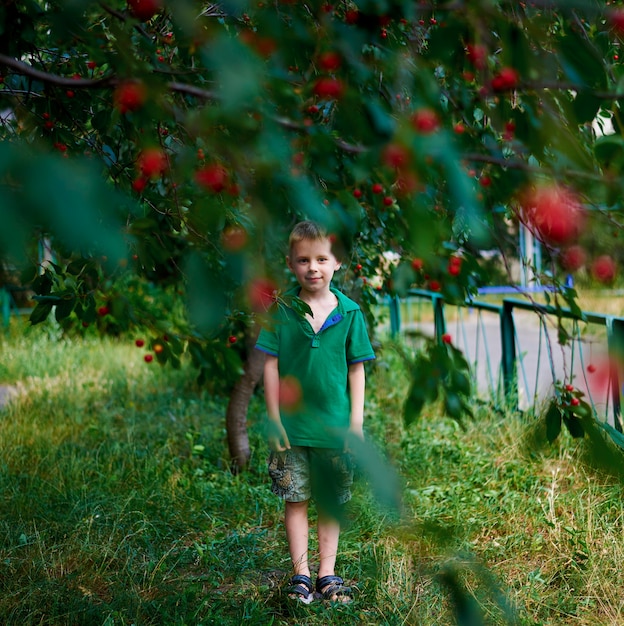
(300, 584)
(329, 586)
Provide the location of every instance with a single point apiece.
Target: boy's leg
(328, 536)
(297, 530)
(332, 480)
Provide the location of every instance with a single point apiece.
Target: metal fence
(515, 351)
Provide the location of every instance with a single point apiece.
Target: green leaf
(381, 476)
(40, 312)
(574, 425)
(414, 403)
(453, 405)
(64, 308)
(460, 382)
(553, 422)
(586, 106)
(581, 62)
(297, 304)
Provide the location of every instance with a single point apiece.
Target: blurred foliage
(175, 151)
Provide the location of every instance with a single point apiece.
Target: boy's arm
(357, 384)
(278, 439)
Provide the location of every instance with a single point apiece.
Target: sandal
(332, 588)
(300, 588)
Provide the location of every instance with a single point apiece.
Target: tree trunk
(236, 414)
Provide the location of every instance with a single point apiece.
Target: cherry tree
(167, 147)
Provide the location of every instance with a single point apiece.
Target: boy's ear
(288, 263)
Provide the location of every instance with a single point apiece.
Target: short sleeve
(268, 342)
(359, 347)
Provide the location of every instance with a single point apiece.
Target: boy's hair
(311, 231)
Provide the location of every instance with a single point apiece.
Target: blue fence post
(615, 343)
(508, 358)
(395, 315)
(438, 316)
(5, 303)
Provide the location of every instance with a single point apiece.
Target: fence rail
(507, 343)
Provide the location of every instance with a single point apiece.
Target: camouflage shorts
(301, 473)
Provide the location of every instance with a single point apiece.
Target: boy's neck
(316, 296)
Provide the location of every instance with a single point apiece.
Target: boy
(314, 390)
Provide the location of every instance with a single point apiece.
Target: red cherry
(144, 9)
(417, 264)
(425, 121)
(446, 338)
(289, 393)
(234, 238)
(352, 16)
(395, 155)
(604, 269)
(212, 177)
(152, 162)
(262, 293)
(406, 183)
(459, 128)
(573, 258)
(554, 212)
(103, 310)
(139, 343)
(477, 54)
(158, 348)
(575, 401)
(326, 87)
(485, 181)
(148, 358)
(505, 80)
(388, 201)
(129, 96)
(434, 285)
(377, 188)
(232, 339)
(357, 193)
(139, 184)
(617, 20)
(569, 387)
(358, 267)
(91, 65)
(330, 61)
(591, 368)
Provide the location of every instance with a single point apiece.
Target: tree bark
(238, 405)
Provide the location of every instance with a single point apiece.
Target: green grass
(118, 508)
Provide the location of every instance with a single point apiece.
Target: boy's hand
(354, 430)
(278, 439)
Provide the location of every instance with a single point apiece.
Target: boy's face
(313, 264)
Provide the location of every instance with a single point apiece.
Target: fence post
(508, 357)
(395, 315)
(5, 302)
(438, 316)
(615, 342)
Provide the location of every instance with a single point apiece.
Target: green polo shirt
(315, 365)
